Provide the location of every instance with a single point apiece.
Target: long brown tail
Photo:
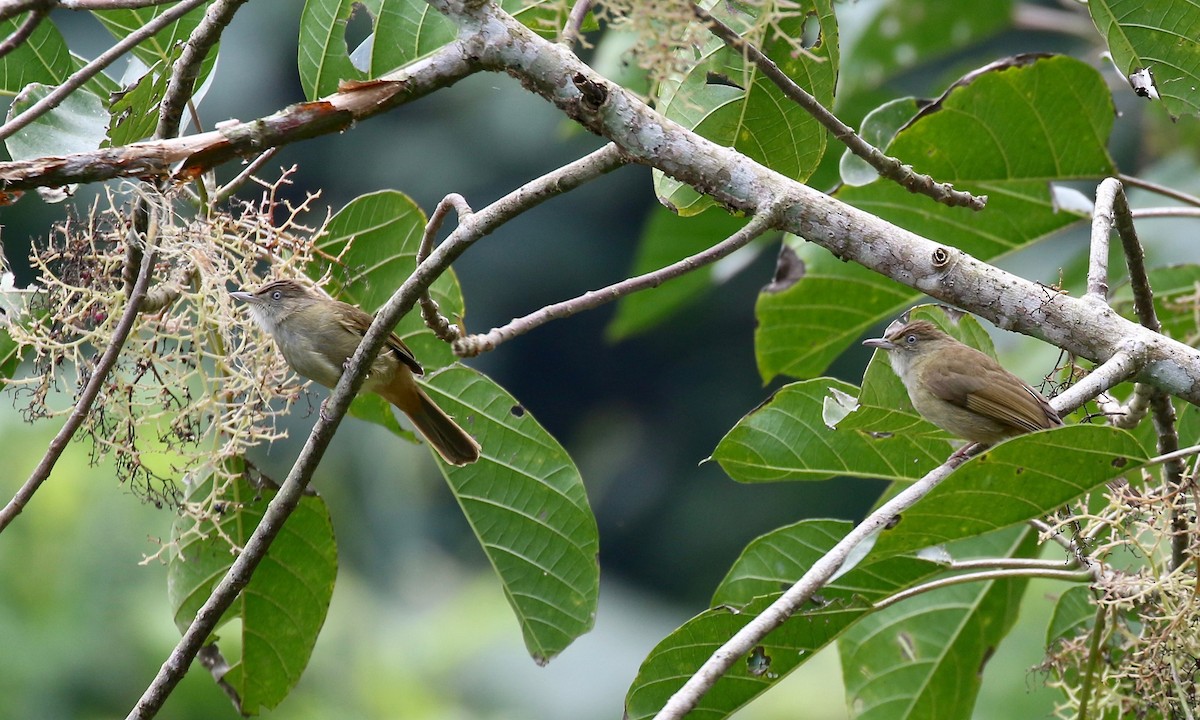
(439, 429)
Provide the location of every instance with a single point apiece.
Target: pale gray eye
(911, 339)
(276, 295)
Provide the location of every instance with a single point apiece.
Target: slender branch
(186, 69)
(473, 345)
(986, 575)
(571, 32)
(1114, 371)
(1102, 224)
(1166, 212)
(1013, 564)
(1111, 194)
(24, 30)
(886, 166)
(93, 68)
(1160, 189)
(793, 599)
(228, 189)
(1094, 660)
(86, 398)
(442, 327)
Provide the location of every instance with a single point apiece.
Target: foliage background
(418, 627)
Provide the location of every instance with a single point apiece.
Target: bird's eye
(911, 339)
(276, 295)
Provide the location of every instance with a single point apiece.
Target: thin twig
(86, 398)
(473, 345)
(571, 32)
(886, 166)
(228, 189)
(1165, 212)
(1093, 661)
(1160, 189)
(1116, 370)
(93, 68)
(793, 599)
(24, 30)
(441, 326)
(1003, 574)
(186, 69)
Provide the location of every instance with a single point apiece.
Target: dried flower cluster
(1142, 659)
(192, 389)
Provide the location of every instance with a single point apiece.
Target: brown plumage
(317, 334)
(960, 389)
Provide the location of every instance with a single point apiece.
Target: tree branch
(473, 345)
(93, 68)
(1077, 576)
(24, 30)
(187, 156)
(187, 68)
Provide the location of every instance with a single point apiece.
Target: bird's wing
(1014, 404)
(357, 321)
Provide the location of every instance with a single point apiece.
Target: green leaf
(790, 438)
(322, 58)
(135, 109)
(10, 355)
(668, 238)
(1073, 614)
(1175, 292)
(526, 502)
(746, 111)
(808, 319)
(42, 58)
(977, 136)
(1160, 36)
(1020, 479)
(771, 562)
(164, 45)
(77, 124)
(924, 657)
(283, 607)
(373, 241)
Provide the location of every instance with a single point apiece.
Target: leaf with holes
(527, 505)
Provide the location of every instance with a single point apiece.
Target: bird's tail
(439, 429)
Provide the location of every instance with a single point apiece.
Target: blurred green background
(418, 627)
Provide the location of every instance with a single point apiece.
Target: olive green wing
(995, 393)
(357, 321)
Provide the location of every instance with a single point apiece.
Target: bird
(317, 335)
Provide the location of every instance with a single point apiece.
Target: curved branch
(24, 30)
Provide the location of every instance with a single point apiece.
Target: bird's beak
(880, 343)
(243, 296)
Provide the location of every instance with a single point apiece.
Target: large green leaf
(924, 657)
(748, 112)
(1161, 36)
(1008, 132)
(526, 502)
(77, 124)
(135, 109)
(42, 58)
(771, 562)
(1021, 479)
(369, 248)
(799, 435)
(668, 238)
(284, 605)
(1074, 612)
